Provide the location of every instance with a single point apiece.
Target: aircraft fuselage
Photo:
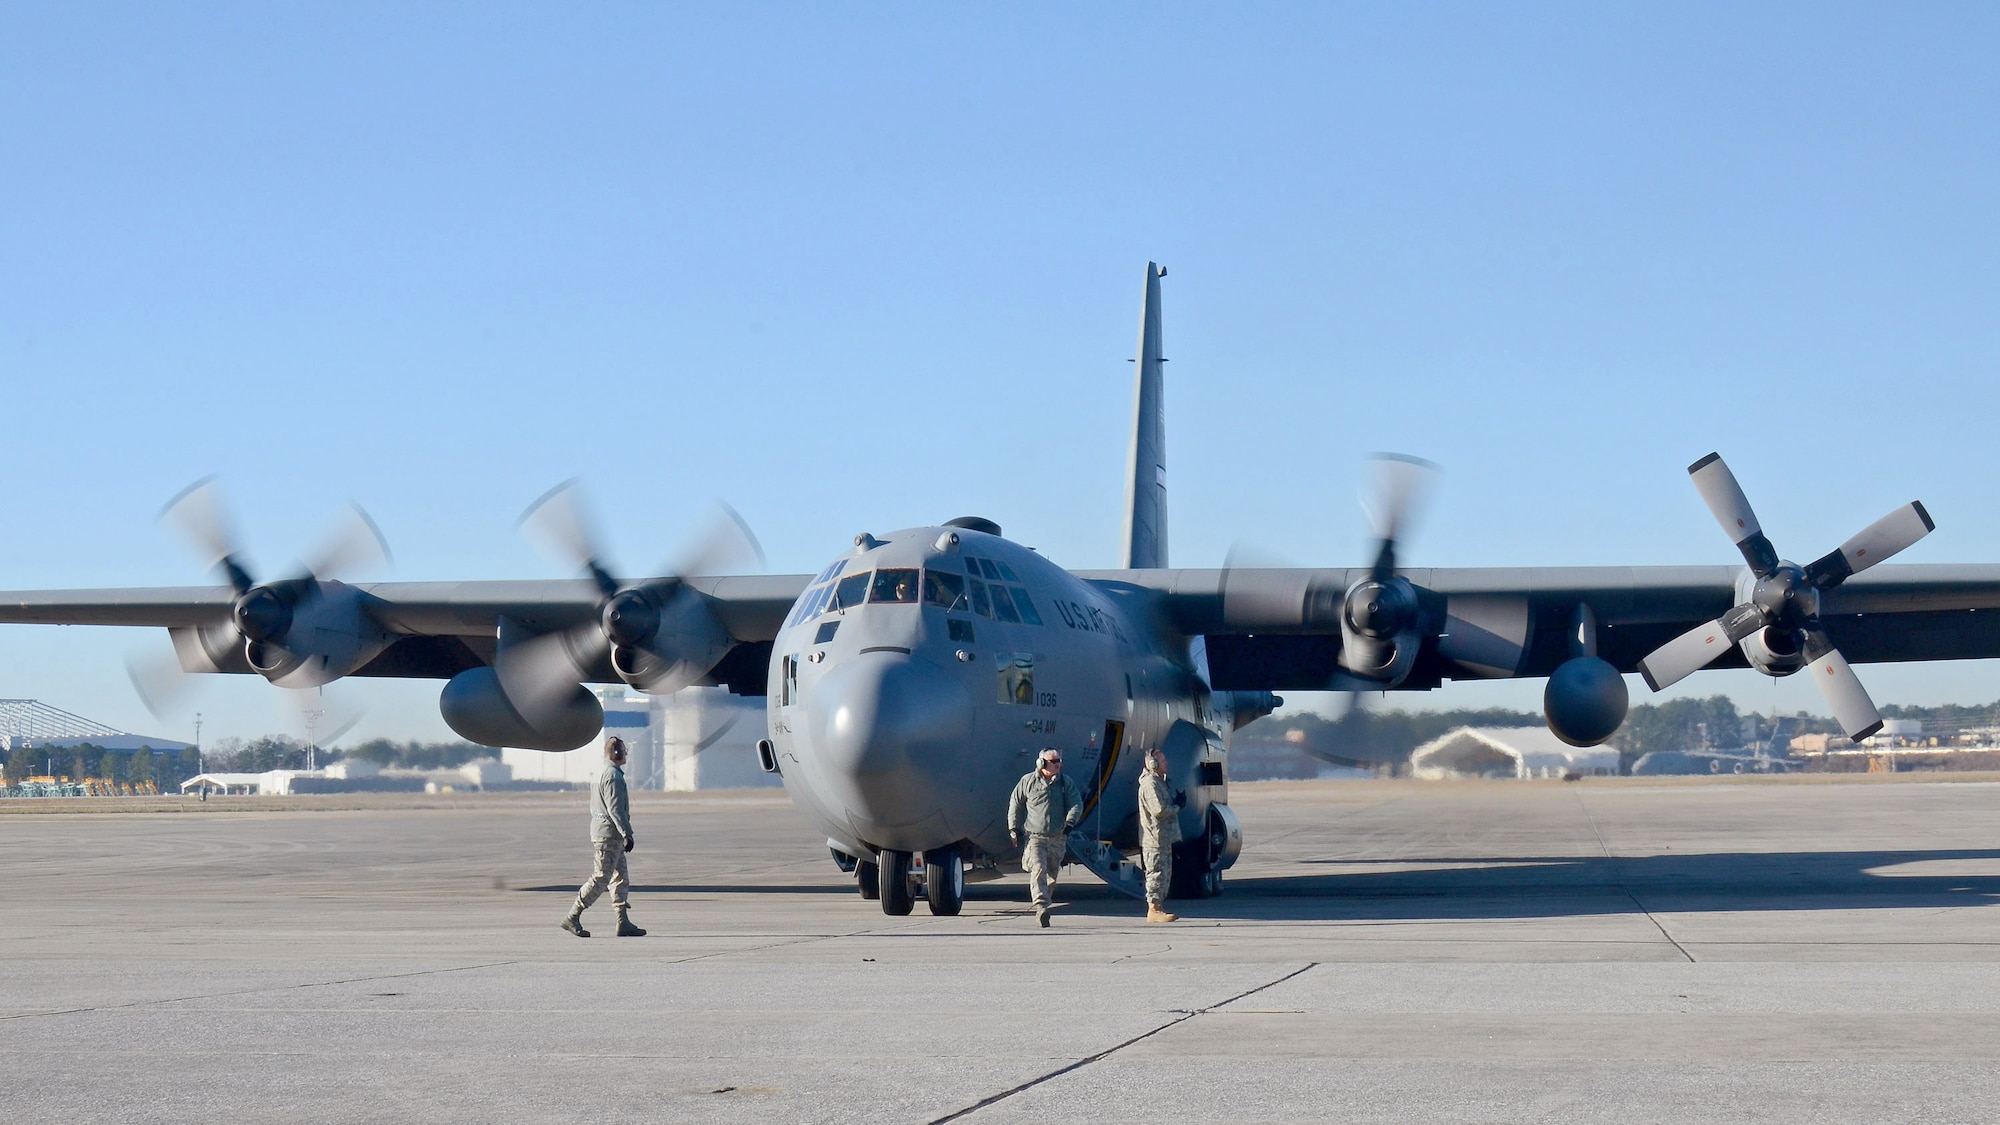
(920, 674)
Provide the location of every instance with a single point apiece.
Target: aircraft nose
(890, 732)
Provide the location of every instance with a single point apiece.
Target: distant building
(696, 738)
(1511, 752)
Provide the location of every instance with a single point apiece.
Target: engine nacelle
(1379, 639)
(682, 647)
(1775, 651)
(1585, 701)
(475, 706)
(295, 634)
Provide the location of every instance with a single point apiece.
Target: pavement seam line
(1640, 906)
(1079, 1064)
(806, 940)
(263, 988)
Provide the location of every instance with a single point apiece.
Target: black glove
(1180, 799)
(629, 842)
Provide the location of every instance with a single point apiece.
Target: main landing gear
(1198, 862)
(893, 878)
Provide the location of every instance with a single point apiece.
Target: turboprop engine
(1380, 615)
(1775, 650)
(299, 632)
(658, 635)
(1776, 620)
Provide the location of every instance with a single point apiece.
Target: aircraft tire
(944, 881)
(869, 877)
(1191, 871)
(896, 897)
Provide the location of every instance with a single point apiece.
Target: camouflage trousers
(1043, 858)
(1159, 864)
(607, 870)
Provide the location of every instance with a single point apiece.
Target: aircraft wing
(435, 629)
(1279, 629)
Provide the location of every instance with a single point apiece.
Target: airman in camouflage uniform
(1159, 831)
(610, 839)
(1045, 806)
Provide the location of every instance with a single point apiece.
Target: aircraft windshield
(944, 589)
(1003, 606)
(849, 592)
(894, 584)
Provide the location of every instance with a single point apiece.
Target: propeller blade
(1843, 692)
(353, 545)
(1731, 509)
(724, 543)
(160, 683)
(1698, 647)
(1876, 542)
(1396, 486)
(542, 671)
(201, 516)
(321, 714)
(563, 522)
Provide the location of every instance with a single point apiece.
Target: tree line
(164, 768)
(1368, 738)
(168, 768)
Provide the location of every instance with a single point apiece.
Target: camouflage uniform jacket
(1159, 820)
(610, 806)
(1042, 807)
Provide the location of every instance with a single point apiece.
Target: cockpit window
(1027, 608)
(894, 584)
(808, 605)
(827, 574)
(944, 590)
(849, 592)
(1003, 606)
(980, 605)
(986, 568)
(1005, 571)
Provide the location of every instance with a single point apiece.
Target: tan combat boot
(1155, 914)
(625, 926)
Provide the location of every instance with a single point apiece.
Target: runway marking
(1112, 1050)
(1640, 906)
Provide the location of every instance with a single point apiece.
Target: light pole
(313, 715)
(200, 765)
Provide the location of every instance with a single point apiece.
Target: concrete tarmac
(1759, 950)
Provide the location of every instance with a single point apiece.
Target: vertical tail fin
(1146, 471)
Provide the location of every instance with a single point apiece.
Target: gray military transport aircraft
(913, 680)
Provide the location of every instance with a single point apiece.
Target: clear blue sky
(866, 267)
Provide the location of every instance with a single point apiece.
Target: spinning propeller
(659, 635)
(1782, 598)
(1379, 615)
(264, 617)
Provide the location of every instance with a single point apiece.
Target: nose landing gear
(897, 878)
(896, 897)
(944, 881)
